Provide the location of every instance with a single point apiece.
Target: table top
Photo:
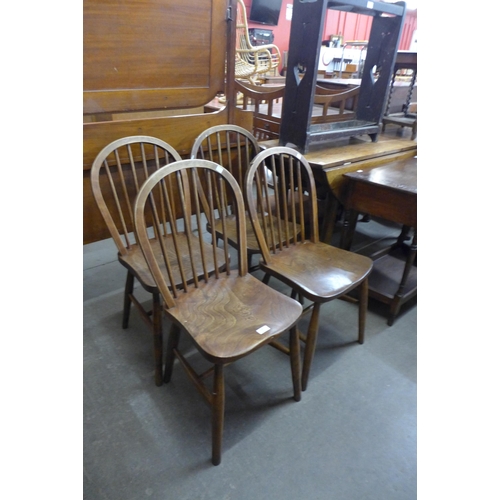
(351, 150)
(399, 175)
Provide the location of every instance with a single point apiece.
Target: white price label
(263, 329)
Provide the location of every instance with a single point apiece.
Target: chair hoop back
(231, 146)
(202, 186)
(117, 175)
(280, 182)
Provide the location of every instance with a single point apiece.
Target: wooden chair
(405, 68)
(314, 270)
(229, 314)
(117, 173)
(265, 103)
(252, 61)
(339, 99)
(233, 147)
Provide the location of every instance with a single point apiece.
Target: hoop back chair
(233, 147)
(228, 314)
(116, 176)
(252, 61)
(314, 270)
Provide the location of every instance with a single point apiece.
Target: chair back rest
(209, 184)
(280, 181)
(345, 101)
(263, 102)
(242, 36)
(252, 60)
(117, 174)
(231, 146)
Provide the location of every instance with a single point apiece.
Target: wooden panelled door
(152, 54)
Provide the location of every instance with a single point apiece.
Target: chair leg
(158, 339)
(173, 342)
(363, 305)
(217, 414)
(295, 362)
(129, 288)
(312, 334)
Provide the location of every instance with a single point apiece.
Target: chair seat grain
(321, 271)
(225, 316)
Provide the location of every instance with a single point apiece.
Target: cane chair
(228, 314)
(252, 61)
(116, 176)
(314, 270)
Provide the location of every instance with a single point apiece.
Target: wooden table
(330, 163)
(389, 192)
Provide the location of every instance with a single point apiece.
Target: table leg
(329, 218)
(404, 235)
(396, 302)
(348, 228)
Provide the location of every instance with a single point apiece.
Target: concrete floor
(351, 437)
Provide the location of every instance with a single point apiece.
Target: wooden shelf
(385, 278)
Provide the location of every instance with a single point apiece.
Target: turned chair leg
(363, 306)
(172, 343)
(127, 301)
(295, 362)
(312, 335)
(158, 339)
(217, 414)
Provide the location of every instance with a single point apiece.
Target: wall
(351, 26)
